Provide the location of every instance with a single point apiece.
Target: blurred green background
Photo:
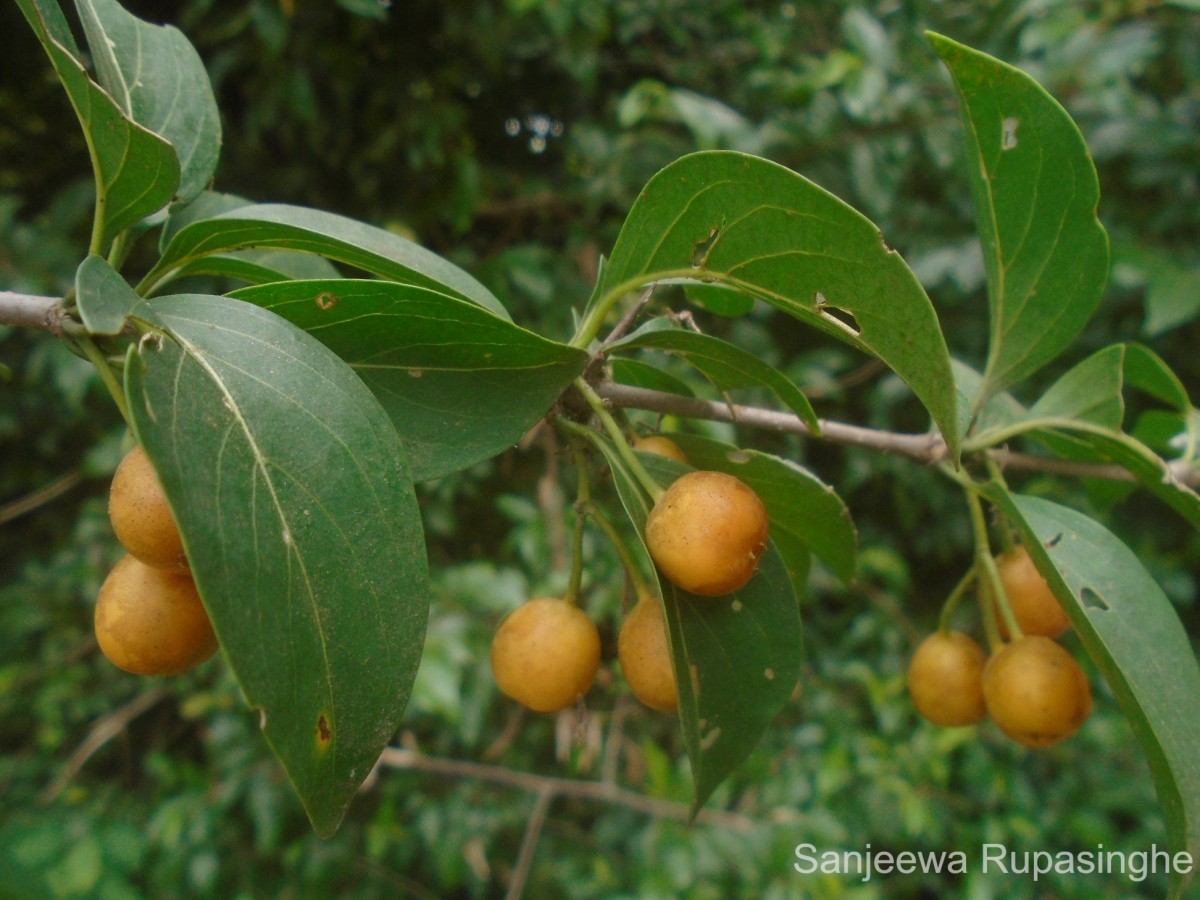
(512, 137)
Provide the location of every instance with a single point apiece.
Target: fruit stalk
(986, 564)
(89, 349)
(649, 485)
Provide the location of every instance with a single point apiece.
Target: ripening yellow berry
(545, 654)
(140, 515)
(945, 679)
(645, 655)
(707, 532)
(663, 446)
(1034, 605)
(1036, 691)
(150, 621)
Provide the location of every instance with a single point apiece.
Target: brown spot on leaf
(324, 732)
(326, 300)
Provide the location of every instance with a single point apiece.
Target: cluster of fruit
(149, 618)
(706, 533)
(1031, 687)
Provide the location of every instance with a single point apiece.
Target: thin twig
(628, 319)
(400, 758)
(104, 730)
(928, 449)
(925, 448)
(1011, 459)
(533, 830)
(48, 314)
(512, 727)
(32, 311)
(16, 508)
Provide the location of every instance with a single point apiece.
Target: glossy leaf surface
(459, 383)
(299, 519)
(157, 79)
(1035, 193)
(756, 227)
(297, 228)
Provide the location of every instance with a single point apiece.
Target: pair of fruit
(706, 533)
(149, 619)
(1032, 688)
(546, 652)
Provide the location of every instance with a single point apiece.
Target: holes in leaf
(1008, 133)
(701, 250)
(1091, 600)
(843, 318)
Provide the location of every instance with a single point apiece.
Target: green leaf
(204, 205)
(799, 504)
(1146, 466)
(136, 171)
(299, 519)
(1146, 370)
(1172, 299)
(46, 19)
(639, 374)
(1080, 418)
(261, 266)
(736, 658)
(726, 365)
(718, 299)
(1035, 192)
(250, 266)
(756, 227)
(998, 411)
(1135, 638)
(157, 79)
(325, 234)
(104, 298)
(459, 383)
(1090, 392)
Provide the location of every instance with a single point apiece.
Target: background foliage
(512, 137)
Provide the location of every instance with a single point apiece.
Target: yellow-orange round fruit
(945, 679)
(645, 656)
(707, 532)
(1034, 605)
(150, 621)
(1036, 691)
(140, 516)
(663, 446)
(545, 654)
